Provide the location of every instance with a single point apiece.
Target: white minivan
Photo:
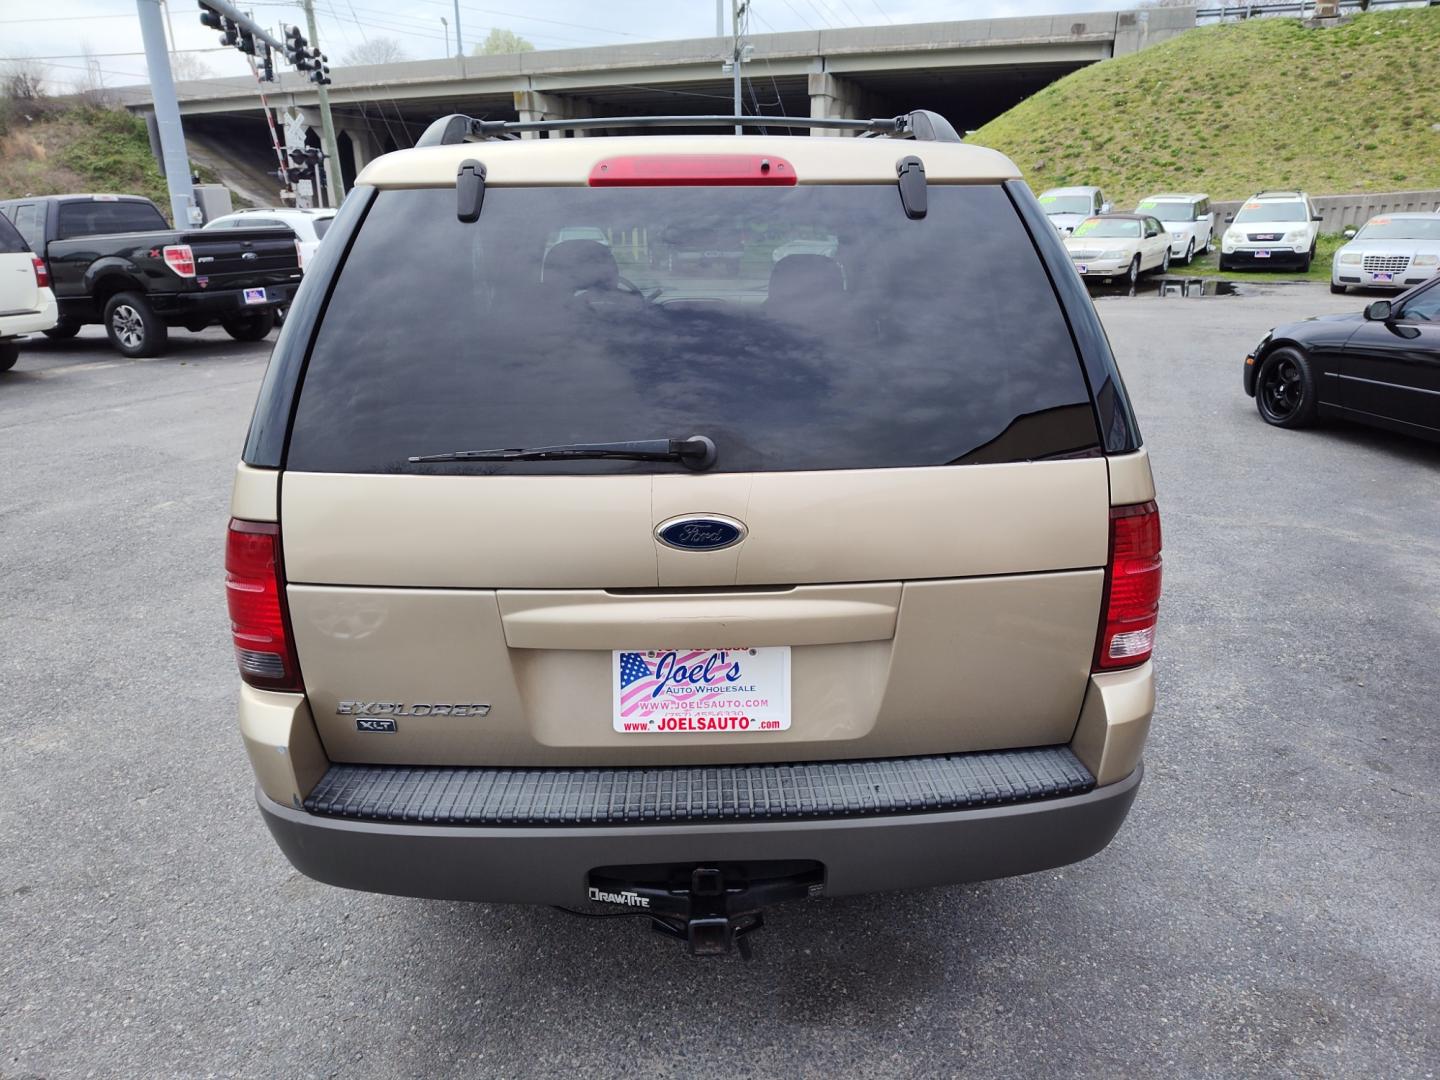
(1188, 220)
(27, 304)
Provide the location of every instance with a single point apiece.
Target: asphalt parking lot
(1269, 909)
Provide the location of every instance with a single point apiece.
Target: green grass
(80, 150)
(1235, 108)
(1209, 265)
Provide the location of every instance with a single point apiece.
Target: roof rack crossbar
(458, 128)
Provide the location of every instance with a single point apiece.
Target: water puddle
(1187, 288)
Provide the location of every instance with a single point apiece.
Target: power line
(104, 55)
(876, 5)
(800, 15)
(533, 18)
(388, 21)
(69, 18)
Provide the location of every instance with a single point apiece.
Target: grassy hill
(1234, 108)
(79, 150)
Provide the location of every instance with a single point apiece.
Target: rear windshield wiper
(696, 452)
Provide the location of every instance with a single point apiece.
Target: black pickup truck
(114, 260)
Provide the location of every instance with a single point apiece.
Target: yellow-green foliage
(1234, 108)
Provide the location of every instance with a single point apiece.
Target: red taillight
(299, 255)
(180, 258)
(42, 273)
(693, 170)
(259, 621)
(1132, 587)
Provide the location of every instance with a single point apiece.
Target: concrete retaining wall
(1338, 211)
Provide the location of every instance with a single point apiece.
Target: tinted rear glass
(103, 218)
(11, 241)
(799, 328)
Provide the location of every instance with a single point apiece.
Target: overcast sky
(110, 30)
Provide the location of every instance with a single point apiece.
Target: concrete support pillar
(364, 147)
(832, 97)
(533, 105)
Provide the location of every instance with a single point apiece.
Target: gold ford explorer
(684, 523)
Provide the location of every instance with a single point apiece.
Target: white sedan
(1392, 251)
(1112, 246)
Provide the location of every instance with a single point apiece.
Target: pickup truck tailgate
(232, 258)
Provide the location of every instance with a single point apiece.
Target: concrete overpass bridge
(969, 71)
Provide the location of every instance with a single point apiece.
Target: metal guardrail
(1300, 9)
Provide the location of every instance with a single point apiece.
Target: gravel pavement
(1271, 908)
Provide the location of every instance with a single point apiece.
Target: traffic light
(295, 48)
(267, 64)
(211, 18)
(247, 42)
(231, 35)
(321, 73)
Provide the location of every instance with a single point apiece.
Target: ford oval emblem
(700, 533)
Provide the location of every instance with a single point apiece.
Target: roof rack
(921, 124)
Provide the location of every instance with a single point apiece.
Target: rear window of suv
(802, 328)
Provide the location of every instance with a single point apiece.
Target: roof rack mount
(457, 128)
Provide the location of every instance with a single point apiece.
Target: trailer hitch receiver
(714, 907)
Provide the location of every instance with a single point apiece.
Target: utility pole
(446, 24)
(719, 18)
(327, 125)
(459, 40)
(167, 113)
(737, 8)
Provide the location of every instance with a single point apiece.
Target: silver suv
(564, 572)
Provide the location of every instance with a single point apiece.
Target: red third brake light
(180, 258)
(259, 621)
(1132, 588)
(42, 273)
(693, 170)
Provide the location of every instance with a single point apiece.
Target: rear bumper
(220, 303)
(13, 323)
(550, 865)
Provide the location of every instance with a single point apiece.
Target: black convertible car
(1379, 367)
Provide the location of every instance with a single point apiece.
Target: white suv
(27, 304)
(308, 225)
(1272, 229)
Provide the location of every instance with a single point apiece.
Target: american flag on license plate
(637, 676)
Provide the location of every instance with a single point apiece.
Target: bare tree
(377, 50)
(185, 66)
(500, 41)
(25, 79)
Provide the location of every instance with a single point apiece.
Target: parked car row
(1272, 229)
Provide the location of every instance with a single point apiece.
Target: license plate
(701, 691)
(1383, 275)
(1262, 254)
(255, 296)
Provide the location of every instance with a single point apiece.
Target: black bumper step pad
(701, 793)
